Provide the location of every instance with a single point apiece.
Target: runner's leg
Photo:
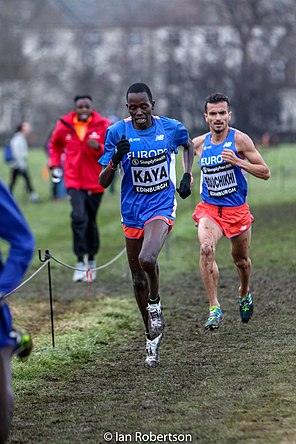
(140, 282)
(240, 247)
(208, 235)
(155, 233)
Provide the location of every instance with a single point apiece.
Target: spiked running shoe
(23, 343)
(246, 307)
(215, 318)
(155, 320)
(152, 346)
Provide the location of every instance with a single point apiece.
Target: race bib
(219, 179)
(150, 175)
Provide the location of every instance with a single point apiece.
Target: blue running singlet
(222, 184)
(148, 170)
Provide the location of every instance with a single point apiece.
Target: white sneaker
(152, 346)
(91, 276)
(155, 320)
(34, 197)
(80, 272)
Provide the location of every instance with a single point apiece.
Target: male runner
(146, 146)
(225, 156)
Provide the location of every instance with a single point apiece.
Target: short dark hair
(86, 96)
(138, 88)
(20, 126)
(217, 98)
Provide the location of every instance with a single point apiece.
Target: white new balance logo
(159, 137)
(227, 144)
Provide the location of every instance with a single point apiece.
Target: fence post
(47, 257)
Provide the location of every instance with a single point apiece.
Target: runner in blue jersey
(225, 156)
(16, 232)
(145, 145)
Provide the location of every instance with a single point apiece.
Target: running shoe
(155, 320)
(215, 318)
(23, 343)
(152, 346)
(34, 197)
(80, 272)
(246, 307)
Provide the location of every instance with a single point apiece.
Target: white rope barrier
(46, 262)
(49, 256)
(26, 281)
(92, 269)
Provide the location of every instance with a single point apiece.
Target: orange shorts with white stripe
(138, 233)
(232, 221)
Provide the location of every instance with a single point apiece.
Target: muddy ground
(225, 387)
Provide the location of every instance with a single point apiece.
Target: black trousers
(15, 172)
(85, 206)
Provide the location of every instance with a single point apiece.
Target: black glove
(122, 148)
(184, 188)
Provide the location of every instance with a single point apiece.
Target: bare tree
(53, 50)
(246, 60)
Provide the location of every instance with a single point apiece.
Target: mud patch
(236, 383)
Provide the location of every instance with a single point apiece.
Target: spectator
(19, 164)
(79, 137)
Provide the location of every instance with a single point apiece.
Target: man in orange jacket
(81, 135)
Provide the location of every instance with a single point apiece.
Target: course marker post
(47, 257)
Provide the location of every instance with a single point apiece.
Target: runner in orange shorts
(225, 156)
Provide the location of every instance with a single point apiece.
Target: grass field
(233, 386)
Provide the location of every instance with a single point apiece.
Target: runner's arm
(185, 187)
(251, 160)
(106, 176)
(188, 154)
(198, 145)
